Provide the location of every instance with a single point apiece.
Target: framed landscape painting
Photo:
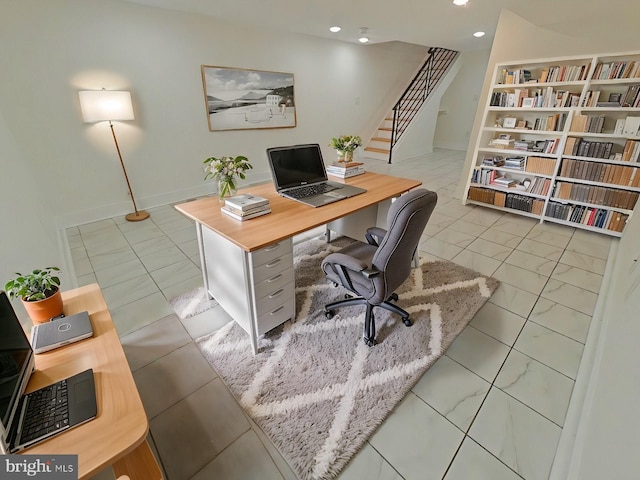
(239, 99)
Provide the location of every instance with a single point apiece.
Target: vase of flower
(227, 170)
(345, 145)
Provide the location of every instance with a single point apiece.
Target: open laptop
(61, 331)
(299, 174)
(28, 419)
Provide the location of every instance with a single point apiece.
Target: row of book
(541, 165)
(515, 201)
(559, 73)
(592, 216)
(610, 197)
(535, 98)
(345, 169)
(549, 123)
(579, 147)
(587, 123)
(504, 141)
(629, 98)
(600, 172)
(621, 69)
(245, 206)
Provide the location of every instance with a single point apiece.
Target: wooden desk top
(121, 424)
(287, 217)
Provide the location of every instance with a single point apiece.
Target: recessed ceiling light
(478, 34)
(363, 39)
(335, 29)
(460, 2)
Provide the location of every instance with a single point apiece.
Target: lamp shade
(101, 105)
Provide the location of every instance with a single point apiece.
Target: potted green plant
(345, 145)
(227, 170)
(39, 292)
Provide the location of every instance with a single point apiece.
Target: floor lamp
(104, 105)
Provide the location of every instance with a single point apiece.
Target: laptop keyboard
(47, 412)
(310, 190)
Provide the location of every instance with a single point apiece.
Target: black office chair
(373, 270)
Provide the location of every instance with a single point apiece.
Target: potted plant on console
(39, 292)
(345, 145)
(226, 170)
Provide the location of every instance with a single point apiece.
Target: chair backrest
(406, 220)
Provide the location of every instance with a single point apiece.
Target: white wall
(460, 101)
(49, 50)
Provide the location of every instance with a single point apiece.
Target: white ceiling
(423, 22)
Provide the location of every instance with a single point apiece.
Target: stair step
(381, 139)
(385, 129)
(376, 150)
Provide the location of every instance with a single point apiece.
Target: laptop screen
(296, 165)
(16, 363)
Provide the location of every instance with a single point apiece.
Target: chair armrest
(376, 232)
(342, 260)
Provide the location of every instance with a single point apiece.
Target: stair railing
(434, 68)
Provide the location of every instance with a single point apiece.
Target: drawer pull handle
(277, 310)
(274, 278)
(275, 294)
(273, 247)
(274, 263)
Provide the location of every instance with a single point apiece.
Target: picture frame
(244, 99)
(509, 122)
(528, 102)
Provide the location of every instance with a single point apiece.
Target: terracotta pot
(43, 310)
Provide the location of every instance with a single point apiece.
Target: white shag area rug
(192, 303)
(315, 388)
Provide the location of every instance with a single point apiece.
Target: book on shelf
(246, 201)
(631, 126)
(242, 216)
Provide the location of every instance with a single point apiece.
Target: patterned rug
(315, 388)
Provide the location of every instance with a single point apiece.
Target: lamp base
(137, 216)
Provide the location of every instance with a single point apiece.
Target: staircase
(435, 67)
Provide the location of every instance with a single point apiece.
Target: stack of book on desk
(245, 206)
(345, 170)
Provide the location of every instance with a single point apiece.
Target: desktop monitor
(16, 364)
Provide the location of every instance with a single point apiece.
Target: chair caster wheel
(407, 321)
(370, 342)
(329, 314)
(394, 297)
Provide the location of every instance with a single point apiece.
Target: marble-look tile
(594, 237)
(454, 209)
(585, 262)
(454, 237)
(478, 352)
(162, 258)
(570, 296)
(153, 245)
(596, 249)
(139, 313)
(163, 213)
(282, 465)
(549, 238)
(474, 462)
(175, 273)
(120, 272)
(550, 252)
(232, 463)
(520, 437)
(176, 223)
(103, 241)
(490, 249)
(190, 248)
(536, 385)
(439, 248)
(521, 278)
(120, 294)
(467, 227)
(87, 279)
(183, 235)
(154, 341)
(555, 228)
(171, 378)
(533, 263)
(498, 323)
(136, 232)
(514, 299)
(577, 277)
(195, 430)
(74, 240)
(432, 438)
(475, 261)
(550, 348)
(115, 257)
(437, 222)
(82, 266)
(172, 291)
(503, 238)
(453, 391)
(89, 228)
(483, 216)
(369, 464)
(514, 224)
(206, 322)
(561, 319)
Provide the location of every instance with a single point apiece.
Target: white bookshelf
(591, 178)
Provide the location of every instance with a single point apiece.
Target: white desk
(248, 266)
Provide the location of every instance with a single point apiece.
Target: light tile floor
(492, 407)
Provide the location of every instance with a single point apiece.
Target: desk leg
(203, 261)
(139, 464)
